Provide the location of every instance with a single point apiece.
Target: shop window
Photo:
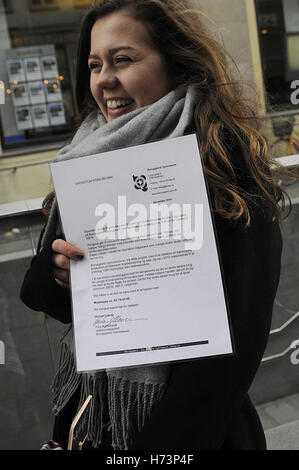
(37, 64)
(278, 24)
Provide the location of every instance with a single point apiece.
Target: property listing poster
(36, 91)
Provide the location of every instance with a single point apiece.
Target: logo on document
(140, 182)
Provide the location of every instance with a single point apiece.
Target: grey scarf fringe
(130, 404)
(131, 393)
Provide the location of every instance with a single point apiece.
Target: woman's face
(126, 72)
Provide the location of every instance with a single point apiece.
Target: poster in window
(40, 116)
(16, 71)
(32, 67)
(53, 91)
(49, 66)
(23, 118)
(20, 94)
(56, 114)
(36, 92)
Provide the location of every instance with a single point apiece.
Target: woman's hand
(63, 252)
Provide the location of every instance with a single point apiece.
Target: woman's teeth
(113, 104)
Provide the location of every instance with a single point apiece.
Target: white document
(33, 70)
(36, 92)
(56, 114)
(20, 94)
(49, 66)
(151, 291)
(40, 116)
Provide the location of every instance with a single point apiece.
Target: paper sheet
(149, 289)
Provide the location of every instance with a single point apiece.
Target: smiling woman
(167, 46)
(119, 73)
(148, 70)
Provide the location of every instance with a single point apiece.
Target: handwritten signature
(107, 321)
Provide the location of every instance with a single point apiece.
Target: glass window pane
(37, 62)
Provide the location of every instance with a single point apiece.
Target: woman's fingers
(61, 261)
(61, 274)
(63, 252)
(62, 284)
(66, 249)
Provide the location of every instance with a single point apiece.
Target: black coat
(206, 405)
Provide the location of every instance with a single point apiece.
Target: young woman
(148, 70)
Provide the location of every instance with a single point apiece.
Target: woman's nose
(106, 78)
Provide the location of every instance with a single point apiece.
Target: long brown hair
(223, 118)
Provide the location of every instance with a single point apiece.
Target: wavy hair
(223, 118)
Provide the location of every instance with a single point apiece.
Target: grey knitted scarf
(130, 393)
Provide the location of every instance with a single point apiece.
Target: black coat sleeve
(40, 291)
(204, 396)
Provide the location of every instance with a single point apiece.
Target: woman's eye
(93, 65)
(120, 59)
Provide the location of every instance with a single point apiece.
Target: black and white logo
(140, 182)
